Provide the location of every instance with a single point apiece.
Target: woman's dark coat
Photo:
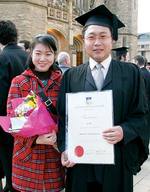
(12, 61)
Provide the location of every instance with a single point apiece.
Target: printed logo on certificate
(88, 114)
(88, 100)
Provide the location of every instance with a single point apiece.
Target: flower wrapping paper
(37, 119)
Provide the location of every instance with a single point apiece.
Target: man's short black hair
(8, 32)
(26, 44)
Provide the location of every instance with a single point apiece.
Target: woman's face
(42, 57)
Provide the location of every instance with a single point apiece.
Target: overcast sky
(143, 16)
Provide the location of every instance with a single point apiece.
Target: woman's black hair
(46, 40)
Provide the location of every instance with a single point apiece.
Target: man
(148, 66)
(63, 61)
(25, 44)
(12, 61)
(129, 133)
(121, 53)
(141, 62)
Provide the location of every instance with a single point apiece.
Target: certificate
(88, 115)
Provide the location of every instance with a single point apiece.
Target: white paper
(17, 123)
(88, 114)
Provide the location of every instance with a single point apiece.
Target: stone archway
(78, 47)
(61, 41)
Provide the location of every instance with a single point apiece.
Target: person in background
(121, 53)
(36, 162)
(129, 133)
(63, 60)
(147, 64)
(25, 44)
(12, 62)
(141, 62)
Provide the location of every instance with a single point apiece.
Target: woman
(36, 162)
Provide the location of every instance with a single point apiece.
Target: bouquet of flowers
(30, 117)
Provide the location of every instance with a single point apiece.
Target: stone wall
(127, 12)
(34, 16)
(30, 16)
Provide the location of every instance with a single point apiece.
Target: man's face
(98, 42)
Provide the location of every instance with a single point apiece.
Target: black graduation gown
(146, 76)
(129, 112)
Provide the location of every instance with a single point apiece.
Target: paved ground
(142, 179)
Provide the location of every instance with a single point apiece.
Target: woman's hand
(47, 139)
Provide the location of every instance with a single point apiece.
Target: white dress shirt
(105, 64)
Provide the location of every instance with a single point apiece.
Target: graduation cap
(121, 50)
(103, 17)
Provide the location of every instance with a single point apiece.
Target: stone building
(127, 11)
(56, 17)
(144, 45)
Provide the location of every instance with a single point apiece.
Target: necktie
(98, 76)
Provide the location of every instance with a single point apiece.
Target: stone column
(70, 26)
(127, 12)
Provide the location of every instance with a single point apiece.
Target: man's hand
(65, 161)
(113, 135)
